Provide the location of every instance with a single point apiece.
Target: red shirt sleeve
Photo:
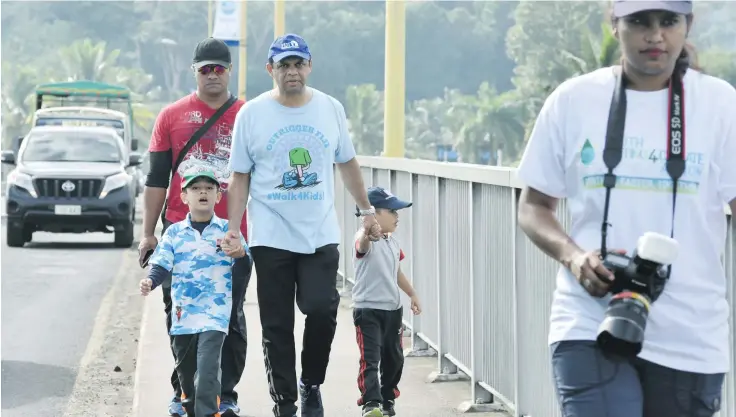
(160, 138)
(401, 255)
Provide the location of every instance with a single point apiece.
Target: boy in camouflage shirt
(201, 291)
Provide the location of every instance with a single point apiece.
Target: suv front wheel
(17, 236)
(124, 237)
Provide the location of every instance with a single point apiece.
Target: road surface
(52, 291)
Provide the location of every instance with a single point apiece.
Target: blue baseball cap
(287, 46)
(381, 198)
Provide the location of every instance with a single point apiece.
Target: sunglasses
(218, 69)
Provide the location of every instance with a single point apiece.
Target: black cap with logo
(211, 51)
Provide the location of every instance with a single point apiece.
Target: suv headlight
(114, 182)
(21, 180)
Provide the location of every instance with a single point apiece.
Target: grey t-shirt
(377, 275)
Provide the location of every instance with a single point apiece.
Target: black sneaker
(311, 401)
(388, 408)
(372, 410)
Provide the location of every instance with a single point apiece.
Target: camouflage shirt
(201, 281)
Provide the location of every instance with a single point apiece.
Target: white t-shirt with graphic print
(688, 325)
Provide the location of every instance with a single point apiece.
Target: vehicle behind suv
(70, 180)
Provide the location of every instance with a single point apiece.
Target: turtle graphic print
(300, 152)
(299, 177)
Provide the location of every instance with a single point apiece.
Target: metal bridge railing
(485, 304)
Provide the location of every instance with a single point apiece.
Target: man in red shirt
(174, 126)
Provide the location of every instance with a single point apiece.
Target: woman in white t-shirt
(685, 355)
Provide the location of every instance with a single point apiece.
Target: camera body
(639, 281)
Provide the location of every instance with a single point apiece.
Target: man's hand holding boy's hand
(231, 243)
(371, 228)
(234, 250)
(235, 253)
(146, 285)
(416, 308)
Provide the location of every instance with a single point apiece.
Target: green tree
(720, 63)
(85, 60)
(426, 128)
(165, 40)
(550, 43)
(543, 29)
(492, 122)
(432, 122)
(364, 107)
(453, 48)
(18, 85)
(598, 50)
(340, 60)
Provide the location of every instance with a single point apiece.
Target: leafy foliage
(476, 72)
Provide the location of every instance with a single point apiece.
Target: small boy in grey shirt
(378, 312)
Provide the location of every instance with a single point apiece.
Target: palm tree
(142, 95)
(491, 122)
(429, 123)
(598, 50)
(84, 60)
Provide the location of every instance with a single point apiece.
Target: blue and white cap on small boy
(380, 198)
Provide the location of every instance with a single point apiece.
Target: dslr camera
(639, 281)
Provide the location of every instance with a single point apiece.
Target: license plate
(68, 210)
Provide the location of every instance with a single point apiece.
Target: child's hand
(146, 285)
(371, 228)
(237, 253)
(416, 308)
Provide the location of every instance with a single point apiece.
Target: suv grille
(62, 187)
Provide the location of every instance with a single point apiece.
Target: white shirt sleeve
(726, 156)
(543, 165)
(240, 159)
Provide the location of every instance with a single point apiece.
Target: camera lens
(622, 329)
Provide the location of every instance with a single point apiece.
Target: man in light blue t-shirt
(285, 143)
